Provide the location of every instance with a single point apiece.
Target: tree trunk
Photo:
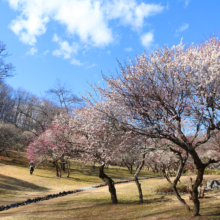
(110, 183)
(180, 198)
(200, 168)
(62, 164)
(68, 168)
(93, 165)
(139, 189)
(138, 170)
(156, 169)
(166, 175)
(128, 166)
(195, 194)
(57, 171)
(59, 167)
(175, 189)
(7, 154)
(182, 163)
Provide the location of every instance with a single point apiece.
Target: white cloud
(87, 19)
(76, 62)
(32, 51)
(147, 39)
(46, 52)
(186, 3)
(66, 51)
(32, 21)
(128, 49)
(182, 28)
(93, 65)
(14, 4)
(108, 52)
(55, 38)
(130, 12)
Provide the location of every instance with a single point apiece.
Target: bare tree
(5, 68)
(64, 96)
(7, 103)
(33, 113)
(12, 137)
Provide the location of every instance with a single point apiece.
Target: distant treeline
(23, 114)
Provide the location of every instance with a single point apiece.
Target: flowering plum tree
(54, 143)
(100, 139)
(129, 150)
(170, 94)
(106, 140)
(103, 140)
(166, 156)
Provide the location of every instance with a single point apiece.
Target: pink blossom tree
(54, 143)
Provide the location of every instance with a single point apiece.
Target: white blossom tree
(170, 94)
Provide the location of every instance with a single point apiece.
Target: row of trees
(91, 136)
(164, 103)
(32, 113)
(153, 106)
(170, 94)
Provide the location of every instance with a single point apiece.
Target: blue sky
(76, 40)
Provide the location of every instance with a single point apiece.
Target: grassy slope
(95, 204)
(16, 180)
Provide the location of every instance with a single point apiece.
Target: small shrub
(168, 188)
(211, 172)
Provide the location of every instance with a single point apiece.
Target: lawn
(94, 204)
(16, 180)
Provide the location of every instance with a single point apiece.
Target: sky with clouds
(78, 40)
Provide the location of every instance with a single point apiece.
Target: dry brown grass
(16, 180)
(94, 204)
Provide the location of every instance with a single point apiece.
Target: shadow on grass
(121, 201)
(114, 173)
(49, 177)
(86, 180)
(14, 159)
(100, 209)
(14, 184)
